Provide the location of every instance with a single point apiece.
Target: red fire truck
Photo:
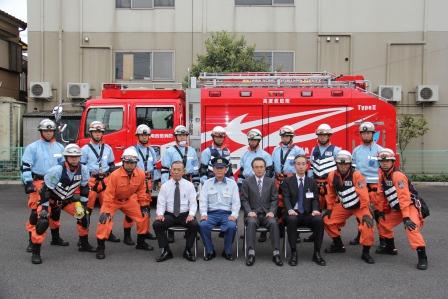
(239, 102)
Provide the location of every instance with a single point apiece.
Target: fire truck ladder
(271, 79)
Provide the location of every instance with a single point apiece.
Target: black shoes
(188, 255)
(293, 259)
(250, 260)
(228, 257)
(56, 239)
(336, 247)
(422, 259)
(29, 248)
(141, 244)
(388, 248)
(35, 258)
(100, 249)
(166, 255)
(277, 260)
(84, 245)
(112, 238)
(127, 239)
(210, 256)
(317, 258)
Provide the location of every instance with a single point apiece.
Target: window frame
(273, 4)
(280, 51)
(87, 123)
(155, 106)
(151, 73)
(144, 8)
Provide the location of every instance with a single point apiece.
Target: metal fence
(415, 162)
(10, 162)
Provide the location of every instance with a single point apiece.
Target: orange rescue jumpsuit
(339, 214)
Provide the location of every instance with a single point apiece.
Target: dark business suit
(290, 191)
(252, 201)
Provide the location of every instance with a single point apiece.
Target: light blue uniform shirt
(54, 175)
(151, 157)
(39, 157)
(289, 161)
(222, 195)
(365, 159)
(171, 155)
(206, 157)
(247, 158)
(91, 161)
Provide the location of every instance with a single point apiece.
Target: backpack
(418, 201)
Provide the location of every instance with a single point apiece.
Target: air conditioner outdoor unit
(78, 90)
(40, 90)
(392, 93)
(427, 93)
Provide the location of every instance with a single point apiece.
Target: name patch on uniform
(328, 154)
(77, 177)
(348, 183)
(309, 195)
(389, 183)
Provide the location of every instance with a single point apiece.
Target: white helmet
(386, 154)
(254, 134)
(287, 130)
(143, 130)
(72, 150)
(367, 126)
(97, 126)
(324, 129)
(219, 131)
(181, 130)
(344, 157)
(46, 124)
(129, 155)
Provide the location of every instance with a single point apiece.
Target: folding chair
(184, 229)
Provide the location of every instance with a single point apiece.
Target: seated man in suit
(259, 201)
(301, 199)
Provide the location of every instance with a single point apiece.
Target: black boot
(166, 255)
(389, 247)
(422, 259)
(84, 245)
(100, 249)
(29, 248)
(113, 238)
(141, 244)
(366, 255)
(127, 237)
(35, 258)
(355, 241)
(336, 247)
(56, 239)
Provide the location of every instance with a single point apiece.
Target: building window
(144, 4)
(277, 60)
(150, 66)
(264, 2)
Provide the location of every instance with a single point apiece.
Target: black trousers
(161, 227)
(314, 222)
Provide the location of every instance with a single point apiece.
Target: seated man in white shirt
(176, 206)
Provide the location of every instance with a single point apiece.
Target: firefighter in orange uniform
(347, 196)
(395, 205)
(126, 191)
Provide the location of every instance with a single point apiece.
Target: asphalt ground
(127, 272)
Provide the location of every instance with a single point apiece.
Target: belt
(36, 176)
(96, 175)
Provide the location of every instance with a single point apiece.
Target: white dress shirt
(165, 199)
(296, 207)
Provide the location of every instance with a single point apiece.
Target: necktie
(176, 208)
(259, 187)
(300, 197)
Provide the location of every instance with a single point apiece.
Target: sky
(18, 9)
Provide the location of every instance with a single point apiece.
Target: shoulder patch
(401, 184)
(361, 184)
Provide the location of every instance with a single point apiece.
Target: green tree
(226, 53)
(410, 127)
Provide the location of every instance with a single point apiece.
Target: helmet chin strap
(97, 140)
(143, 142)
(44, 138)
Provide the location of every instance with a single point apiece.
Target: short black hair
(258, 159)
(177, 162)
(300, 156)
